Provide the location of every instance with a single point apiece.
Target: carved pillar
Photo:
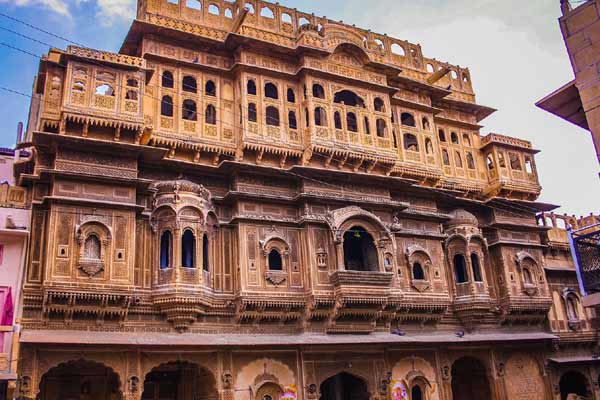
(339, 251)
(176, 256)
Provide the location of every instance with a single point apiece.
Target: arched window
(293, 124)
(132, 82)
(337, 120)
(454, 137)
(271, 91)
(249, 7)
(320, 116)
(318, 91)
(571, 303)
(291, 96)
(91, 248)
(460, 269)
(407, 119)
(442, 135)
(428, 146)
(131, 95)
(381, 127)
(210, 115)
(417, 272)
(475, 265)
(188, 110)
(205, 253)
(490, 162)
(252, 116)
(275, 261)
(416, 393)
(367, 125)
(527, 277)
(167, 79)
(189, 84)
(360, 253)
(445, 157)
(213, 9)
(458, 159)
(272, 116)
(410, 142)
(425, 123)
(105, 90)
(351, 122)
(210, 89)
(379, 104)
(165, 249)
(515, 161)
(501, 160)
(166, 106)
(188, 249)
(348, 98)
(466, 139)
(528, 165)
(266, 12)
(470, 161)
(251, 87)
(286, 18)
(193, 4)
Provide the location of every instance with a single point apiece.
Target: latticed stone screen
(587, 248)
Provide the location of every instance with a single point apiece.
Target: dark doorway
(469, 380)
(344, 386)
(573, 382)
(360, 253)
(80, 380)
(179, 381)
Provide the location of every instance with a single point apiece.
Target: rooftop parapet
(290, 28)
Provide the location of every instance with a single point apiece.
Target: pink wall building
(14, 233)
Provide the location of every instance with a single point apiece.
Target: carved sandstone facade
(253, 202)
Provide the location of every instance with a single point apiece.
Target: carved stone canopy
(180, 186)
(337, 218)
(462, 217)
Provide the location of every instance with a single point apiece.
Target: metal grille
(587, 251)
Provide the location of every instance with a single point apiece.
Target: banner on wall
(398, 390)
(290, 392)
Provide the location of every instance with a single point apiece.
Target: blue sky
(513, 48)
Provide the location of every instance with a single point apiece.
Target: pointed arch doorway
(344, 386)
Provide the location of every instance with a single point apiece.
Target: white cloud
(108, 11)
(58, 6)
(112, 10)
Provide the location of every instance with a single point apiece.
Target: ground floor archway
(179, 381)
(573, 383)
(469, 380)
(344, 386)
(80, 380)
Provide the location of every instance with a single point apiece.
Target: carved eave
(171, 145)
(440, 118)
(435, 92)
(421, 173)
(416, 105)
(341, 279)
(268, 307)
(471, 309)
(507, 141)
(461, 186)
(68, 302)
(97, 118)
(513, 189)
(347, 79)
(424, 308)
(525, 309)
(481, 112)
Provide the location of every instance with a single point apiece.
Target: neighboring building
(578, 101)
(252, 202)
(14, 233)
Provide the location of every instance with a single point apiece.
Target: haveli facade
(252, 202)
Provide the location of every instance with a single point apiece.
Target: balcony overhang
(565, 103)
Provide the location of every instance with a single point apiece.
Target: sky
(513, 48)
